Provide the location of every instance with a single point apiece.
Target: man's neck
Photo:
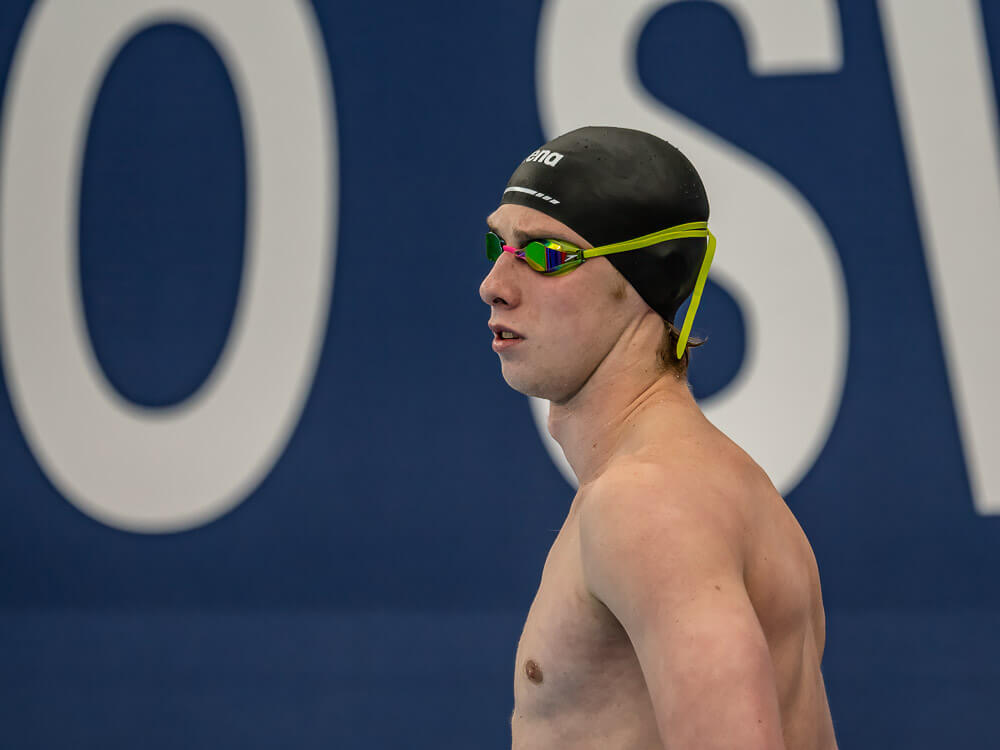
(592, 425)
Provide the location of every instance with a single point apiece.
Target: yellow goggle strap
(681, 231)
(699, 286)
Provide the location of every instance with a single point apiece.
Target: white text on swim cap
(549, 158)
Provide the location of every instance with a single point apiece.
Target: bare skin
(680, 605)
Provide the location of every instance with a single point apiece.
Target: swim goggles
(556, 257)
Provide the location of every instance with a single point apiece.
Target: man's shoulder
(632, 484)
(676, 489)
(646, 537)
(652, 504)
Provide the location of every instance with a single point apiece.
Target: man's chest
(573, 654)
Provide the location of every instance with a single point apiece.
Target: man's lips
(503, 332)
(504, 337)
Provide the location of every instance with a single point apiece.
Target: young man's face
(565, 325)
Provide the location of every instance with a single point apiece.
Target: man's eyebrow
(521, 238)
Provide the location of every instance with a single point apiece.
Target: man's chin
(527, 385)
(524, 388)
(520, 381)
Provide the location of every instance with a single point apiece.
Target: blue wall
(368, 589)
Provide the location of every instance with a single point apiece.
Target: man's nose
(500, 286)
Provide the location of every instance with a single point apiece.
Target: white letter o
(160, 470)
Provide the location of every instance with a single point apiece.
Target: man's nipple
(533, 671)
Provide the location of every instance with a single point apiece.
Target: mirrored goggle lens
(551, 256)
(534, 255)
(494, 247)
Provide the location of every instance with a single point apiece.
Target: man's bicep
(709, 674)
(672, 575)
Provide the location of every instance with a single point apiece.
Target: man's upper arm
(670, 570)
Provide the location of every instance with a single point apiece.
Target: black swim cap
(614, 184)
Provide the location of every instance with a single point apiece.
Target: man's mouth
(501, 332)
(503, 338)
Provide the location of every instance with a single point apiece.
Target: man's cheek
(564, 307)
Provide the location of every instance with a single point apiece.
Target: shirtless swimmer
(679, 606)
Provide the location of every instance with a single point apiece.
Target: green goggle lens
(494, 247)
(553, 256)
